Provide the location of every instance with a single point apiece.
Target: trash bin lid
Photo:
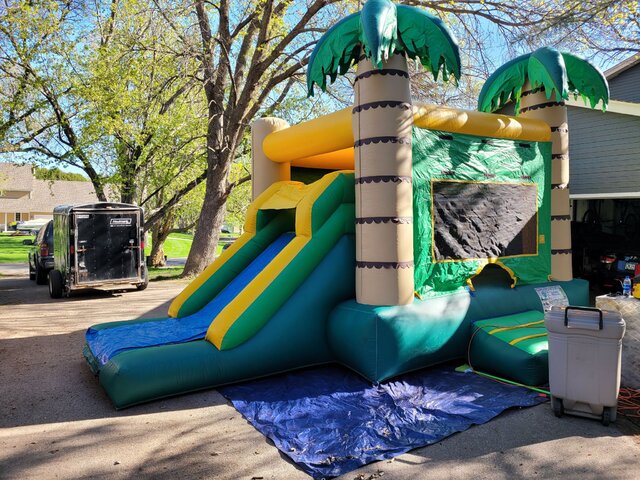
(585, 322)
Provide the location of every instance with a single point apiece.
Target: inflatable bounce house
(369, 228)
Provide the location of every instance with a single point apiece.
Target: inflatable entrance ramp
(259, 309)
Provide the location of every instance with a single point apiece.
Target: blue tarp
(107, 343)
(330, 421)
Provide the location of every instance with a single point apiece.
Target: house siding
(605, 152)
(626, 85)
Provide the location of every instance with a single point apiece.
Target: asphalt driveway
(56, 422)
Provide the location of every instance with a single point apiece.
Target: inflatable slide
(268, 296)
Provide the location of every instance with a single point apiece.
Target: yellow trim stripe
(324, 134)
(336, 160)
(305, 144)
(228, 316)
(249, 233)
(435, 117)
(514, 327)
(528, 337)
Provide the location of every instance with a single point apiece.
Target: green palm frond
(586, 80)
(426, 37)
(557, 72)
(546, 69)
(380, 30)
(338, 48)
(504, 85)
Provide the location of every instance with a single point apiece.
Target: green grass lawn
(179, 244)
(12, 250)
(165, 273)
(176, 246)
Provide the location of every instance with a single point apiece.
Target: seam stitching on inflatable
(385, 265)
(376, 140)
(383, 179)
(382, 104)
(396, 220)
(384, 71)
(540, 106)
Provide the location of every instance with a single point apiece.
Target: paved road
(13, 269)
(56, 422)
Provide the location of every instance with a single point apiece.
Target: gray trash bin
(585, 346)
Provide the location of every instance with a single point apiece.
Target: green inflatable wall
(468, 169)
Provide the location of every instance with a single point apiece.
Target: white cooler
(585, 346)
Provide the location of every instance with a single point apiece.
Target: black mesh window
(483, 220)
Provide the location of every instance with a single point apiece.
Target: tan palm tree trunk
(382, 121)
(534, 104)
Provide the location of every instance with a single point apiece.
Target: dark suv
(41, 256)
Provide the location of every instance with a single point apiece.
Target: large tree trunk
(205, 240)
(534, 104)
(159, 234)
(382, 122)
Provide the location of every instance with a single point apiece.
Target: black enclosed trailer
(97, 245)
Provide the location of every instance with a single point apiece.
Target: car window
(49, 234)
(40, 235)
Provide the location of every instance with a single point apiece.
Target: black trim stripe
(378, 220)
(558, 186)
(559, 156)
(531, 92)
(560, 217)
(386, 265)
(541, 106)
(383, 71)
(375, 140)
(564, 251)
(383, 179)
(559, 129)
(382, 104)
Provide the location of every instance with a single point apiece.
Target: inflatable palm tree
(378, 39)
(538, 83)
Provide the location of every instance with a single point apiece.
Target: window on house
(18, 217)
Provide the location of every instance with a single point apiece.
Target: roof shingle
(16, 177)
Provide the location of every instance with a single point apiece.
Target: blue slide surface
(107, 343)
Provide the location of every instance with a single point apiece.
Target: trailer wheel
(145, 276)
(55, 284)
(558, 407)
(41, 275)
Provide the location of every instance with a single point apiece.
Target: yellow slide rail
(250, 225)
(304, 231)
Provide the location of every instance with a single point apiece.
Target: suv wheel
(41, 275)
(32, 274)
(55, 284)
